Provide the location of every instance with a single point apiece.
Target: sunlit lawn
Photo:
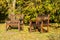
(14, 34)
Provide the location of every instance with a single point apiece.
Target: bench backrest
(42, 17)
(11, 17)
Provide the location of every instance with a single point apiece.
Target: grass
(14, 34)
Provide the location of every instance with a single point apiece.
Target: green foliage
(3, 10)
(31, 8)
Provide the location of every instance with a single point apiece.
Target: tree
(31, 8)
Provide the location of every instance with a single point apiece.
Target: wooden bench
(41, 21)
(35, 25)
(44, 21)
(12, 21)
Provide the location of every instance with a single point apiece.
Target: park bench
(40, 22)
(12, 21)
(45, 22)
(35, 25)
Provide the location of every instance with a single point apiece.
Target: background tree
(31, 8)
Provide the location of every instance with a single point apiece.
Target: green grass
(14, 34)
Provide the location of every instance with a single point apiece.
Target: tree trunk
(14, 6)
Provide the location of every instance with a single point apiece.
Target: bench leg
(19, 26)
(30, 28)
(42, 27)
(7, 26)
(22, 25)
(48, 27)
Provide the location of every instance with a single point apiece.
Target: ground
(14, 34)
